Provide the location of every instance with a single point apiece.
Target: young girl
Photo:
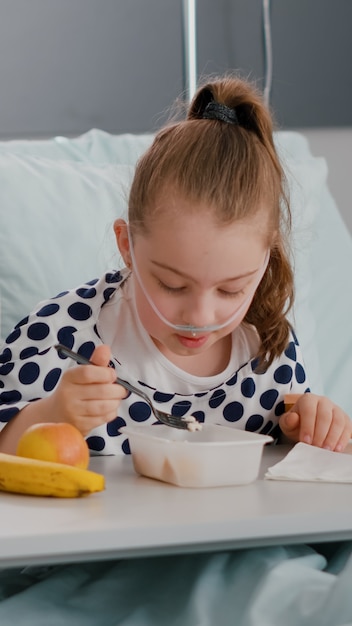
(197, 318)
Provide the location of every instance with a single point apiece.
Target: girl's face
(196, 272)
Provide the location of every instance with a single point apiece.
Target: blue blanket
(276, 586)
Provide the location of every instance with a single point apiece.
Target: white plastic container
(212, 457)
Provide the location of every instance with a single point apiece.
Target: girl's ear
(123, 244)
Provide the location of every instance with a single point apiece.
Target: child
(198, 316)
(198, 320)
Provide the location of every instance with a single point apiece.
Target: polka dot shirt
(81, 319)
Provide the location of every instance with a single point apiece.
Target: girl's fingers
(102, 391)
(340, 431)
(317, 421)
(99, 409)
(344, 440)
(89, 374)
(289, 424)
(101, 355)
(325, 424)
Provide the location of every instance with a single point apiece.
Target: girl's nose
(199, 311)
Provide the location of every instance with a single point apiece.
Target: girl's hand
(86, 395)
(318, 421)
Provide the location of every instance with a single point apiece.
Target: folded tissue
(309, 463)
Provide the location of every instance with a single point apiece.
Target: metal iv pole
(189, 47)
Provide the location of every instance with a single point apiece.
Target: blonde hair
(233, 167)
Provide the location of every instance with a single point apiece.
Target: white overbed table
(137, 516)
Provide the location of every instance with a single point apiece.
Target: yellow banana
(43, 478)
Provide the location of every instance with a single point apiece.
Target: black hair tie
(220, 112)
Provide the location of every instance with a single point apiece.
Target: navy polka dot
(6, 355)
(28, 373)
(300, 373)
(7, 414)
(23, 322)
(10, 396)
(116, 277)
(108, 293)
(6, 368)
(180, 408)
(199, 415)
(139, 411)
(38, 331)
(51, 379)
(266, 428)
(96, 443)
(44, 351)
(113, 427)
(248, 387)
(254, 365)
(280, 408)
(163, 397)
(65, 336)
(14, 335)
(291, 352)
(201, 394)
(79, 311)
(217, 398)
(233, 411)
(232, 381)
(61, 294)
(92, 282)
(254, 422)
(126, 447)
(283, 374)
(86, 292)
(48, 309)
(294, 337)
(86, 349)
(97, 333)
(268, 399)
(28, 352)
(145, 385)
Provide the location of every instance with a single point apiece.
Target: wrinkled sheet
(275, 586)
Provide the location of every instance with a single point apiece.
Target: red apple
(55, 442)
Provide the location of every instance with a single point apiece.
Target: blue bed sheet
(275, 586)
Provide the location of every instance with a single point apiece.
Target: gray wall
(69, 65)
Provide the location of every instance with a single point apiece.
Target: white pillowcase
(56, 228)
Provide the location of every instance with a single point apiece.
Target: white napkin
(309, 463)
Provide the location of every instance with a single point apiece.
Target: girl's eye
(231, 294)
(222, 292)
(170, 289)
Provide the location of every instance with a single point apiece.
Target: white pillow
(56, 228)
(306, 177)
(323, 263)
(330, 300)
(96, 146)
